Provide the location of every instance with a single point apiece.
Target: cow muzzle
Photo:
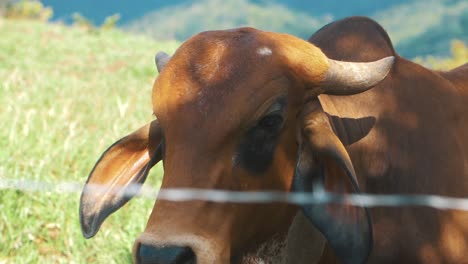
(146, 254)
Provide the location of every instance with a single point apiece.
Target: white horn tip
(386, 63)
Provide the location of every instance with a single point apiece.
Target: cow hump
(354, 39)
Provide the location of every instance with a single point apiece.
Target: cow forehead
(216, 75)
(222, 57)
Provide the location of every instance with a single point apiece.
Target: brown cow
(250, 110)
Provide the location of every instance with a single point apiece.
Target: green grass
(65, 95)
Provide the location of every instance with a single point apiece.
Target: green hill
(67, 93)
(421, 28)
(184, 20)
(417, 27)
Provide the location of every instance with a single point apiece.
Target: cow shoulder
(354, 39)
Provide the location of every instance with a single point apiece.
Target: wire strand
(225, 196)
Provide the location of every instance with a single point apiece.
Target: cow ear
(117, 175)
(324, 165)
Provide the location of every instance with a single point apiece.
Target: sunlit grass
(65, 95)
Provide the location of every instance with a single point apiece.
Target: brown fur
(406, 135)
(418, 145)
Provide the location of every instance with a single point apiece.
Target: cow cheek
(260, 223)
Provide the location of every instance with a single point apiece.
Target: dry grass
(65, 95)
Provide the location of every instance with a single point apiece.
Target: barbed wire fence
(224, 196)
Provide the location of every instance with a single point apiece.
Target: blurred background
(75, 76)
(417, 28)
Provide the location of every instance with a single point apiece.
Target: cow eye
(257, 147)
(272, 121)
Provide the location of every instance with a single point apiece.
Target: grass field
(65, 95)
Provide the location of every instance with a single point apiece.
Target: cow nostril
(165, 255)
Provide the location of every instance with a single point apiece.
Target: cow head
(238, 110)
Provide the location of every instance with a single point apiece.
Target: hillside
(336, 8)
(417, 27)
(96, 11)
(182, 21)
(413, 31)
(67, 93)
(422, 28)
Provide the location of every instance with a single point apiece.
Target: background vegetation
(459, 56)
(417, 27)
(166, 23)
(66, 93)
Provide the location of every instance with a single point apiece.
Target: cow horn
(161, 60)
(345, 78)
